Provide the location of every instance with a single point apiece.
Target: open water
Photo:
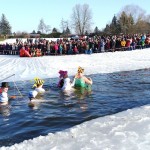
(57, 111)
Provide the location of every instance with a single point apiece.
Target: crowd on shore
(88, 45)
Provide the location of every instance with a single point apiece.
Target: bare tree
(148, 18)
(47, 28)
(140, 18)
(136, 12)
(63, 25)
(42, 26)
(81, 18)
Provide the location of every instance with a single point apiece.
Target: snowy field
(48, 66)
(128, 130)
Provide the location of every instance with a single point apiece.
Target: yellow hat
(37, 82)
(80, 70)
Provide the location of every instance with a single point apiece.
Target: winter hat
(62, 73)
(38, 82)
(80, 70)
(4, 85)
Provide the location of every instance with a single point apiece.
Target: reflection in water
(81, 92)
(36, 102)
(34, 105)
(5, 110)
(67, 94)
(83, 105)
(76, 97)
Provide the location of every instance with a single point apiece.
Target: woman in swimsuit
(81, 80)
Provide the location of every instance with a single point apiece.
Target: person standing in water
(64, 82)
(3, 94)
(34, 94)
(38, 85)
(81, 80)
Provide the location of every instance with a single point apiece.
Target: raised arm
(88, 80)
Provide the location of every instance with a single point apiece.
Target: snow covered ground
(48, 66)
(128, 130)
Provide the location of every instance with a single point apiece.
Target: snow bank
(48, 66)
(128, 130)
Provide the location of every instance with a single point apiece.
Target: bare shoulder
(88, 80)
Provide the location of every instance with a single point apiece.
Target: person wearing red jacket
(128, 42)
(24, 53)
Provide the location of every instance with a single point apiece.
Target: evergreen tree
(39, 32)
(96, 30)
(114, 21)
(33, 32)
(54, 30)
(86, 32)
(131, 20)
(107, 29)
(5, 27)
(114, 26)
(123, 21)
(55, 33)
(67, 30)
(130, 24)
(126, 23)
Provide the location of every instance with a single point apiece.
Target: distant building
(34, 35)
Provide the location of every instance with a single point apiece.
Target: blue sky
(25, 15)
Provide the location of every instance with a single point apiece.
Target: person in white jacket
(4, 98)
(38, 85)
(65, 82)
(3, 93)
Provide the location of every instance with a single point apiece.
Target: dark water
(111, 93)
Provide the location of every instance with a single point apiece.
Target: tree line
(130, 20)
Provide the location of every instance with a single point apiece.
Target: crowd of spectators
(88, 45)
